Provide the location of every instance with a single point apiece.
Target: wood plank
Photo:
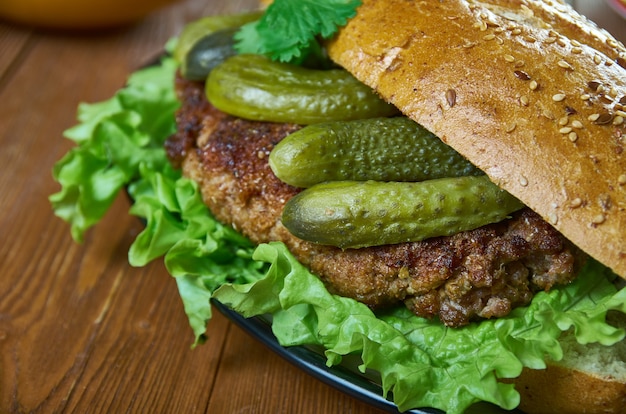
(80, 330)
(267, 384)
(13, 45)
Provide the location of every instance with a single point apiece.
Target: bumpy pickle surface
(381, 149)
(351, 214)
(253, 87)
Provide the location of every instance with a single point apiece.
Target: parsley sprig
(289, 28)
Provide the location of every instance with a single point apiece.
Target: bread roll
(590, 379)
(529, 91)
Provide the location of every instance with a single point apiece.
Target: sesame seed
(533, 85)
(520, 74)
(564, 64)
(490, 36)
(577, 202)
(597, 59)
(561, 43)
(519, 63)
(606, 98)
(577, 50)
(577, 124)
(585, 97)
(530, 39)
(548, 114)
(565, 130)
(622, 179)
(593, 117)
(604, 119)
(620, 113)
(523, 100)
(451, 97)
(511, 127)
(559, 97)
(563, 121)
(550, 40)
(523, 181)
(618, 120)
(515, 32)
(598, 219)
(509, 58)
(593, 85)
(572, 136)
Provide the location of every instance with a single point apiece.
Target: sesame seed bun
(531, 92)
(589, 379)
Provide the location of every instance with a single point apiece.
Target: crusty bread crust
(575, 392)
(530, 91)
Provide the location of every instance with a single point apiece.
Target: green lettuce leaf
(113, 138)
(422, 362)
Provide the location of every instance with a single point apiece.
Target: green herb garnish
(289, 28)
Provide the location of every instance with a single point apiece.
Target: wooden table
(80, 330)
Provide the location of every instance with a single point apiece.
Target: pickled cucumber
(352, 214)
(381, 149)
(207, 53)
(198, 29)
(253, 87)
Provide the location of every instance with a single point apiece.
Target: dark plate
(345, 377)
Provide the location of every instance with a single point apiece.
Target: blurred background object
(77, 14)
(619, 6)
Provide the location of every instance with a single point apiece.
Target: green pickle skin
(195, 31)
(352, 214)
(381, 149)
(207, 53)
(253, 87)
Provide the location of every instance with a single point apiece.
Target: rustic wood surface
(81, 330)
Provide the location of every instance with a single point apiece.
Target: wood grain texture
(80, 329)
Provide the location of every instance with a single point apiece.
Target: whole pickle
(207, 53)
(380, 149)
(355, 214)
(253, 87)
(200, 28)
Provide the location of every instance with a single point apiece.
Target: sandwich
(527, 99)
